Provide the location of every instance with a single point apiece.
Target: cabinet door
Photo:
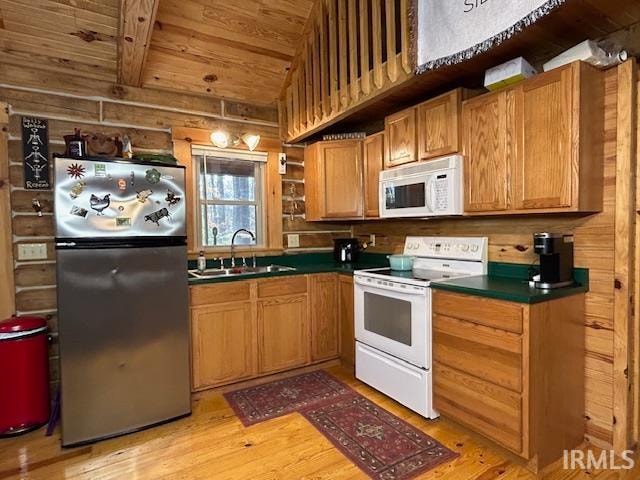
(341, 164)
(488, 148)
(347, 330)
(400, 138)
(313, 194)
(543, 168)
(283, 338)
(373, 160)
(439, 126)
(324, 316)
(223, 344)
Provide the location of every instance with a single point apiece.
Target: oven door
(394, 318)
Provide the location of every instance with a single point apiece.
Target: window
(230, 188)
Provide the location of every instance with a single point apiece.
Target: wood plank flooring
(213, 444)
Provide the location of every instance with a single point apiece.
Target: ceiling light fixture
(251, 140)
(222, 139)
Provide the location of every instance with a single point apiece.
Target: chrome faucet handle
(233, 261)
(221, 263)
(253, 259)
(244, 261)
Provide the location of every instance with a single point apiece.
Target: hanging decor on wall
(451, 31)
(35, 150)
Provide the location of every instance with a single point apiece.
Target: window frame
(260, 201)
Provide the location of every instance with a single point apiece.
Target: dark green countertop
(509, 281)
(304, 264)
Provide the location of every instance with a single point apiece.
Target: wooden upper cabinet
(324, 316)
(373, 159)
(487, 151)
(439, 125)
(538, 146)
(333, 183)
(400, 138)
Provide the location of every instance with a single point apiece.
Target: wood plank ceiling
(236, 49)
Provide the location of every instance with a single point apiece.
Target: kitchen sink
(238, 271)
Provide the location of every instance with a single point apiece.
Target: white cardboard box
(508, 73)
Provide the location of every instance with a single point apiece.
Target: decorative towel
(451, 31)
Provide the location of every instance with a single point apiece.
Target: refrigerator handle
(66, 244)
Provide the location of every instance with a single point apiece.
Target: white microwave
(425, 189)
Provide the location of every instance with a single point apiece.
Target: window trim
(260, 201)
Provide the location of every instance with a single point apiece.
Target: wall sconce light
(222, 139)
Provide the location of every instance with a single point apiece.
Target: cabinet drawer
(219, 293)
(487, 353)
(484, 311)
(273, 287)
(486, 408)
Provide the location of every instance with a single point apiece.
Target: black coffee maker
(346, 250)
(556, 260)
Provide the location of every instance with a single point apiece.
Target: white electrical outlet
(372, 240)
(32, 251)
(293, 240)
(282, 163)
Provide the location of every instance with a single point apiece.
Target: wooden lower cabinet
(249, 328)
(346, 320)
(223, 338)
(515, 376)
(324, 316)
(282, 333)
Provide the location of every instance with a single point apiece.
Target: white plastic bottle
(202, 262)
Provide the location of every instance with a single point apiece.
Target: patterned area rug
(382, 445)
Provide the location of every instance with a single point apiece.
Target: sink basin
(238, 271)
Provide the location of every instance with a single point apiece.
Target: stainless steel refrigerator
(122, 296)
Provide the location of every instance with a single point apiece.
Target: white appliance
(424, 189)
(393, 316)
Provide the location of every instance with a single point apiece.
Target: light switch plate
(282, 163)
(32, 251)
(293, 240)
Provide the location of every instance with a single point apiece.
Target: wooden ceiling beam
(138, 18)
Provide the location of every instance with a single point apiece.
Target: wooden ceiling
(236, 49)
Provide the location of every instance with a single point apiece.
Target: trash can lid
(22, 324)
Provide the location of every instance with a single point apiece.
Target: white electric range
(393, 316)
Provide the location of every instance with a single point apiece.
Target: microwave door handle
(429, 194)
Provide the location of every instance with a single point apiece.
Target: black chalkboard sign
(35, 148)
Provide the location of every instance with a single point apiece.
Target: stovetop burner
(424, 275)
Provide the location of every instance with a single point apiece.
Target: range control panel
(457, 248)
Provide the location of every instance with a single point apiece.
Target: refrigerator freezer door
(116, 199)
(124, 339)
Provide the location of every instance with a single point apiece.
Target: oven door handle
(413, 290)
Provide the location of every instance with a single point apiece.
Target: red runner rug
(382, 445)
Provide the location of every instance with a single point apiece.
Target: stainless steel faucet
(233, 240)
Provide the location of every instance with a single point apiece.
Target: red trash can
(24, 375)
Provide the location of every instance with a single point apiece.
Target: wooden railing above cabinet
(537, 147)
(352, 52)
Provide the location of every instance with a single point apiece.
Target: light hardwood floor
(213, 444)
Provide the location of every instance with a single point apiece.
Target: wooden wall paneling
(365, 77)
(376, 34)
(353, 51)
(334, 73)
(182, 151)
(624, 247)
(635, 338)
(274, 202)
(7, 290)
(343, 51)
(138, 18)
(392, 66)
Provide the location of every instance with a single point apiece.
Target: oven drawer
(487, 353)
(486, 408)
(485, 311)
(405, 383)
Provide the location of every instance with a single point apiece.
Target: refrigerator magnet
(100, 170)
(76, 170)
(122, 184)
(100, 204)
(123, 222)
(153, 175)
(156, 216)
(172, 198)
(79, 211)
(144, 194)
(77, 190)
